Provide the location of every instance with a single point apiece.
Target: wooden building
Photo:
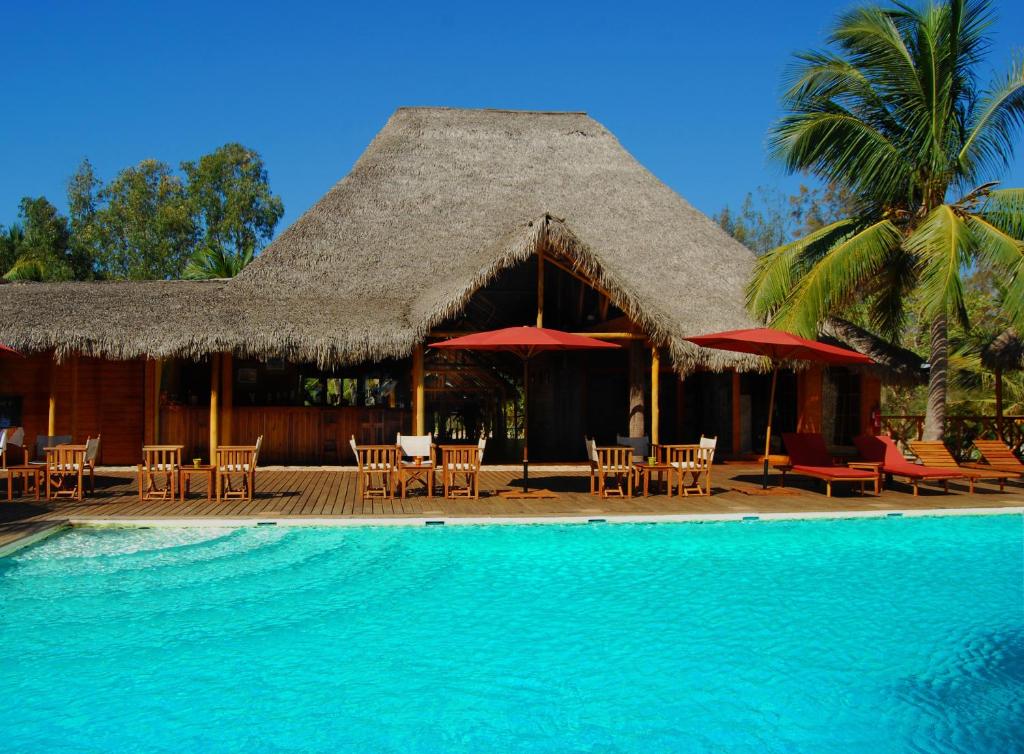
(452, 221)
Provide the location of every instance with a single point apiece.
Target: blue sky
(689, 88)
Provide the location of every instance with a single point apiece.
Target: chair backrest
(693, 457)
(92, 449)
(375, 457)
(880, 449)
(65, 458)
(806, 449)
(641, 445)
(256, 451)
(591, 450)
(3, 440)
(236, 458)
(997, 452)
(161, 457)
(709, 445)
(932, 453)
(462, 457)
(16, 436)
(416, 446)
(615, 459)
(481, 444)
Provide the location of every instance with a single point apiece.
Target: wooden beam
(227, 401)
(51, 416)
(214, 405)
(419, 408)
(736, 395)
(655, 394)
(540, 289)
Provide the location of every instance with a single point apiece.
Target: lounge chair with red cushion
(808, 456)
(882, 449)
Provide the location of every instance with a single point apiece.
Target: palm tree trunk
(935, 416)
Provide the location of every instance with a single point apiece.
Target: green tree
(233, 207)
(138, 226)
(82, 191)
(11, 239)
(893, 113)
(38, 247)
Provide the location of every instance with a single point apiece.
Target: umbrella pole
(526, 425)
(768, 431)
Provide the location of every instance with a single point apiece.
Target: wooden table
(187, 472)
(875, 466)
(33, 471)
(660, 468)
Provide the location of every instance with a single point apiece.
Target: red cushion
(806, 448)
(883, 449)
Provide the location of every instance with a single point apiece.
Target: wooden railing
(960, 431)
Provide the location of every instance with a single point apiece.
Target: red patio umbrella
(778, 346)
(525, 342)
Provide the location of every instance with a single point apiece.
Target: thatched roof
(1005, 352)
(893, 364)
(439, 203)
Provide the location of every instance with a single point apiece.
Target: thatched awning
(439, 203)
(893, 364)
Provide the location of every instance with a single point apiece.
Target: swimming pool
(884, 635)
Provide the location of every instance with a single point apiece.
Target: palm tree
(893, 113)
(217, 262)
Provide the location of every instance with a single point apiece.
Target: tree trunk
(637, 388)
(935, 416)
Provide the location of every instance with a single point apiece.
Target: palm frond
(993, 129)
(837, 277)
(1004, 208)
(775, 272)
(891, 290)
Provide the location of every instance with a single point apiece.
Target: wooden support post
(51, 417)
(655, 393)
(74, 398)
(637, 388)
(227, 401)
(158, 373)
(540, 289)
(736, 425)
(419, 409)
(214, 405)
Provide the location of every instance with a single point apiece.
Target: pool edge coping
(46, 529)
(338, 521)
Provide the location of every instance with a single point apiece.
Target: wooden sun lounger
(883, 450)
(935, 455)
(997, 454)
(808, 456)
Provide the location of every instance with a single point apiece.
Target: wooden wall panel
(105, 399)
(870, 400)
(809, 399)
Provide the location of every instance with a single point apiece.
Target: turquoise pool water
(893, 635)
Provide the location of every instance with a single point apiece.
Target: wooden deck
(284, 493)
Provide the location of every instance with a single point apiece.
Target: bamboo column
(637, 378)
(655, 394)
(419, 409)
(227, 400)
(540, 289)
(214, 405)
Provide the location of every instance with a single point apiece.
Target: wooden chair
(422, 468)
(377, 469)
(65, 466)
(11, 437)
(460, 469)
(594, 461)
(237, 461)
(692, 466)
(997, 454)
(615, 465)
(935, 455)
(92, 452)
(158, 473)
